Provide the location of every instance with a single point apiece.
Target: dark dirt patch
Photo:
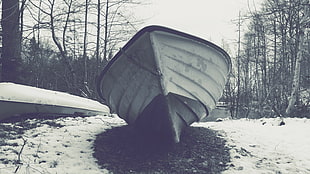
(34, 116)
(15, 127)
(120, 150)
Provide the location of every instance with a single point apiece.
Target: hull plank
(163, 80)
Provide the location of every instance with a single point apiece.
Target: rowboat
(16, 100)
(163, 80)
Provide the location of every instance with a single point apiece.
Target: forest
(271, 75)
(64, 44)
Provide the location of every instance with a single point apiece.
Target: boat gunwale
(154, 28)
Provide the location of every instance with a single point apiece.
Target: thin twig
(19, 155)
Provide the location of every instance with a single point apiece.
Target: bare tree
(98, 36)
(84, 33)
(85, 42)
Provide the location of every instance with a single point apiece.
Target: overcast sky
(209, 19)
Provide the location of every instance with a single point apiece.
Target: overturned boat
(16, 100)
(163, 80)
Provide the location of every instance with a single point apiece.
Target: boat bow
(164, 80)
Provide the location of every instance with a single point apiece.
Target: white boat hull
(163, 74)
(18, 100)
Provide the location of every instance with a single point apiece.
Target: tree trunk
(98, 37)
(296, 78)
(295, 86)
(238, 68)
(85, 43)
(106, 31)
(11, 45)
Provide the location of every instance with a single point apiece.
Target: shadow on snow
(122, 150)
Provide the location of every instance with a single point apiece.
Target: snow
(262, 146)
(51, 149)
(65, 145)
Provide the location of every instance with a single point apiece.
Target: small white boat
(16, 99)
(163, 80)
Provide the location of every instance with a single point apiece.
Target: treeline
(64, 44)
(271, 74)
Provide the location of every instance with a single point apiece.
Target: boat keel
(166, 116)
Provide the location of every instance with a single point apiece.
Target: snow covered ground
(262, 146)
(57, 146)
(65, 145)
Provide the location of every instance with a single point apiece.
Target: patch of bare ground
(121, 150)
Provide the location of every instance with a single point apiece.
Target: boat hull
(164, 80)
(16, 100)
(165, 116)
(11, 109)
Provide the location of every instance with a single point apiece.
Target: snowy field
(65, 145)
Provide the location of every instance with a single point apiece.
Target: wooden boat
(18, 99)
(163, 80)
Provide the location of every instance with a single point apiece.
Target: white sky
(209, 19)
